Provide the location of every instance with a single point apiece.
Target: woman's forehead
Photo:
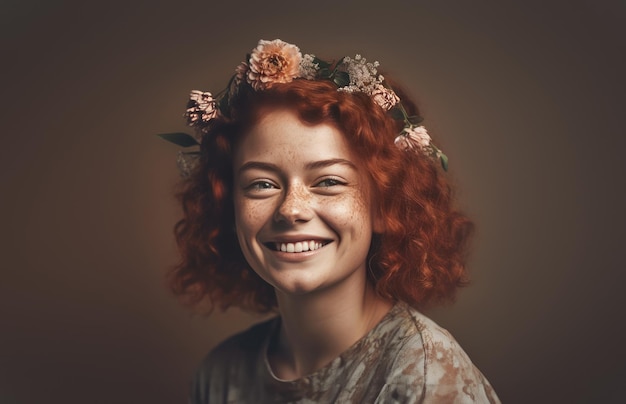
(280, 134)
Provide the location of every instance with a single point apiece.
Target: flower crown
(276, 61)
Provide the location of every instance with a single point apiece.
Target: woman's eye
(261, 185)
(330, 182)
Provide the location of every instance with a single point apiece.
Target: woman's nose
(295, 205)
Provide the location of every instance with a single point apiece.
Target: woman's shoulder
(426, 333)
(432, 355)
(233, 359)
(418, 332)
(244, 344)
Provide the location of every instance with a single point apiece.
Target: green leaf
(340, 62)
(415, 119)
(324, 72)
(180, 139)
(342, 79)
(444, 161)
(396, 114)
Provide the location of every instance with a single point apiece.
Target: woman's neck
(318, 327)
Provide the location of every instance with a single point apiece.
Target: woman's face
(302, 213)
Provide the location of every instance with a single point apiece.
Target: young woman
(316, 194)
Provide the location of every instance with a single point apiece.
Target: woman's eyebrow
(330, 162)
(259, 165)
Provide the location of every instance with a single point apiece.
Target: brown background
(528, 102)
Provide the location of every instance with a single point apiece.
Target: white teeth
(300, 246)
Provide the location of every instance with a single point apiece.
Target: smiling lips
(299, 246)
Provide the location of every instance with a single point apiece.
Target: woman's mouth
(297, 247)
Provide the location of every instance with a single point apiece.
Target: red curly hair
(418, 258)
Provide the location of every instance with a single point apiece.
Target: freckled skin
(280, 193)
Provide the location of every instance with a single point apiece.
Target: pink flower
(414, 138)
(385, 97)
(201, 108)
(273, 62)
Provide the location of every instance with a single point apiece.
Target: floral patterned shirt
(405, 358)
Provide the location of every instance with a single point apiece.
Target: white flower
(201, 108)
(363, 75)
(308, 68)
(273, 62)
(414, 137)
(385, 97)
